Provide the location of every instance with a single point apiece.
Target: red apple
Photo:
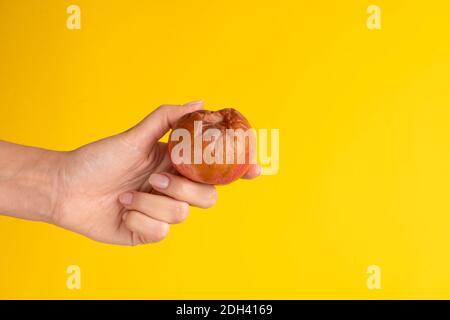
(212, 147)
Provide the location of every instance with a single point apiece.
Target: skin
(119, 190)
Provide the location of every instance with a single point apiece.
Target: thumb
(156, 124)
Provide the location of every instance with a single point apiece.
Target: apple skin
(215, 173)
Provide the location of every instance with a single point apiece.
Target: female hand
(122, 189)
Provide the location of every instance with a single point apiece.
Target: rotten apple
(212, 147)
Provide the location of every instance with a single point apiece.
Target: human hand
(124, 190)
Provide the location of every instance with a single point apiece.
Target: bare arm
(28, 181)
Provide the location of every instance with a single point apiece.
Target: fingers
(182, 189)
(158, 207)
(157, 123)
(253, 172)
(148, 214)
(146, 229)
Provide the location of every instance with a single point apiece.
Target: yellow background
(364, 143)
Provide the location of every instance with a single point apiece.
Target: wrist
(29, 182)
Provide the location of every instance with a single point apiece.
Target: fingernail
(159, 181)
(126, 198)
(192, 103)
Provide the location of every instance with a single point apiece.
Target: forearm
(28, 181)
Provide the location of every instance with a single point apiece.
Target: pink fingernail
(159, 180)
(194, 103)
(126, 198)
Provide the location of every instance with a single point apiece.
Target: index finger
(254, 171)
